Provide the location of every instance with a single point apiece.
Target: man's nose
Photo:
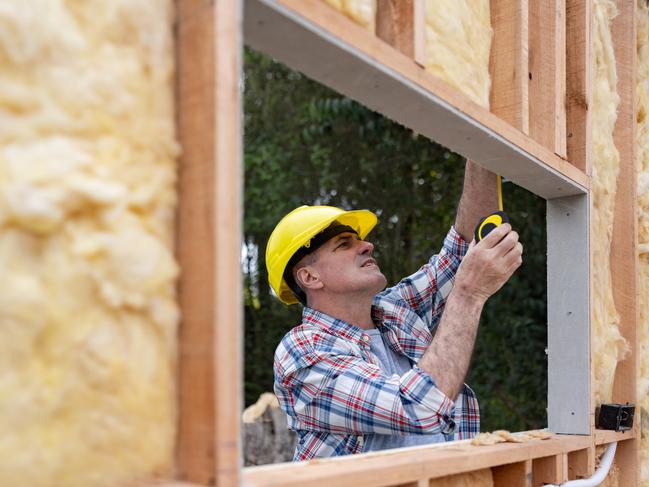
(366, 247)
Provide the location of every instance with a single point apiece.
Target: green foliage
(306, 144)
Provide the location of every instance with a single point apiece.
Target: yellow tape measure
(493, 221)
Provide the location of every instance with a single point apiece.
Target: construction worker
(372, 368)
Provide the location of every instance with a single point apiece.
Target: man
(369, 369)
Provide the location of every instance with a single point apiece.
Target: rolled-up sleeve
(426, 291)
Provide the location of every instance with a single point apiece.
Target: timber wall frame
(537, 134)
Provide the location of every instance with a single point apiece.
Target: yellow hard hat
(296, 230)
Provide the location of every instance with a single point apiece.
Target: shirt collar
(338, 327)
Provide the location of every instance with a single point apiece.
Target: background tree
(307, 144)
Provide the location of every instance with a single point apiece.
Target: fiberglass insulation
(609, 345)
(360, 11)
(642, 134)
(87, 195)
(458, 41)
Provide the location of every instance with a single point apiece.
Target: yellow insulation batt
(88, 314)
(609, 345)
(642, 134)
(362, 12)
(458, 41)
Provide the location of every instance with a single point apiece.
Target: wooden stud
(581, 463)
(549, 470)
(624, 256)
(208, 241)
(547, 68)
(513, 474)
(579, 68)
(395, 24)
(402, 24)
(508, 62)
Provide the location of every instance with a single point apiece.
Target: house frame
(536, 134)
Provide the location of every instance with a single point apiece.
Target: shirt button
(365, 338)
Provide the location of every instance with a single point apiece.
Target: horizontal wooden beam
(603, 437)
(338, 53)
(405, 465)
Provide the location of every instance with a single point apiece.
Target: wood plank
(549, 470)
(347, 58)
(547, 68)
(508, 62)
(513, 475)
(602, 437)
(208, 241)
(581, 463)
(395, 24)
(579, 68)
(394, 467)
(624, 256)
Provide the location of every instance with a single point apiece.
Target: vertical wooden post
(547, 69)
(624, 256)
(209, 36)
(550, 470)
(508, 62)
(513, 474)
(581, 463)
(579, 67)
(395, 24)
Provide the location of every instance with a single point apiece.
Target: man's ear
(308, 278)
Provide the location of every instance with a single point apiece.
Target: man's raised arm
(479, 199)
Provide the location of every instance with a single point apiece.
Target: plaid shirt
(333, 390)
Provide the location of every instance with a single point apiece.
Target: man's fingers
(507, 244)
(514, 258)
(496, 235)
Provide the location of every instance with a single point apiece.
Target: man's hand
(488, 265)
(483, 271)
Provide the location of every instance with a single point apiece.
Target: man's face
(345, 265)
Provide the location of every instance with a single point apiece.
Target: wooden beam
(547, 69)
(395, 24)
(550, 470)
(624, 255)
(581, 463)
(579, 68)
(347, 58)
(508, 62)
(208, 240)
(603, 437)
(513, 474)
(394, 467)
